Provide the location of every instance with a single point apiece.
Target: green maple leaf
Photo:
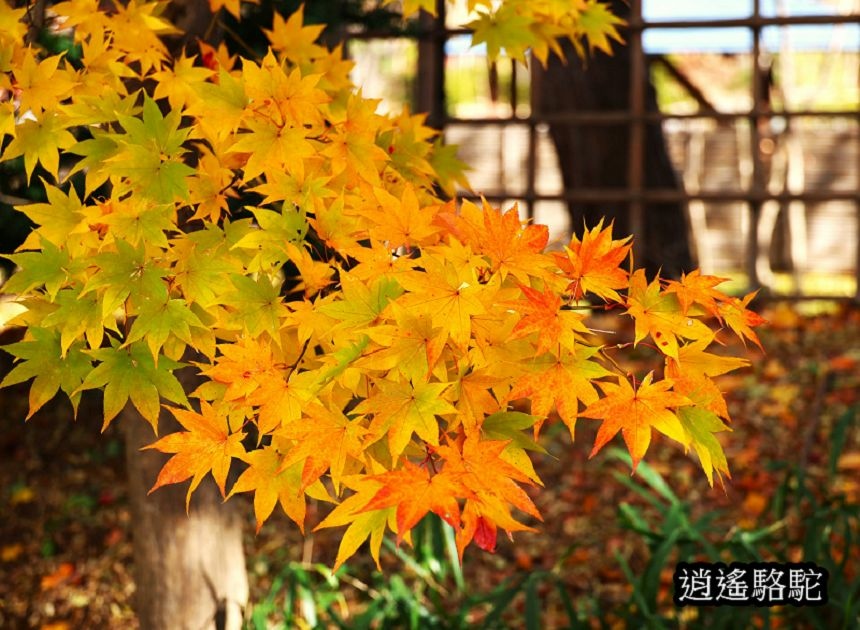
(131, 372)
(148, 154)
(202, 264)
(450, 170)
(408, 144)
(127, 272)
(221, 105)
(76, 316)
(50, 367)
(361, 304)
(257, 304)
(508, 426)
(95, 153)
(161, 132)
(598, 24)
(701, 425)
(48, 267)
(156, 321)
(504, 29)
(290, 225)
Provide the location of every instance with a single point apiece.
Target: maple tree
(361, 340)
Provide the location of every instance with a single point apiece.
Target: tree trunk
(194, 18)
(189, 568)
(595, 155)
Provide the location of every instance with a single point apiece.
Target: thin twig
(248, 49)
(294, 365)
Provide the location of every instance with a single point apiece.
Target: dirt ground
(65, 548)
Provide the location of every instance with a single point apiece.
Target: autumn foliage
(359, 339)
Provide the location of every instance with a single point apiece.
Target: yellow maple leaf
(40, 141)
(658, 314)
(402, 222)
(293, 40)
(177, 83)
(285, 99)
(233, 7)
(42, 85)
(450, 293)
(411, 7)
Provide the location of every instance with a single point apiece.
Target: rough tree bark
(189, 568)
(596, 155)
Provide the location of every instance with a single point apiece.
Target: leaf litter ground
(65, 541)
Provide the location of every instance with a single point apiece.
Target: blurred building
(759, 102)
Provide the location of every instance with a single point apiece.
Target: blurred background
(729, 130)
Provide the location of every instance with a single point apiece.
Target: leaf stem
(298, 360)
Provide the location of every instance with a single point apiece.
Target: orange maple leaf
(511, 247)
(634, 412)
(280, 401)
(326, 440)
(475, 527)
(481, 468)
(741, 320)
(563, 381)
(543, 314)
(486, 472)
(414, 492)
(698, 388)
(694, 288)
(254, 372)
(209, 444)
(243, 366)
(593, 263)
